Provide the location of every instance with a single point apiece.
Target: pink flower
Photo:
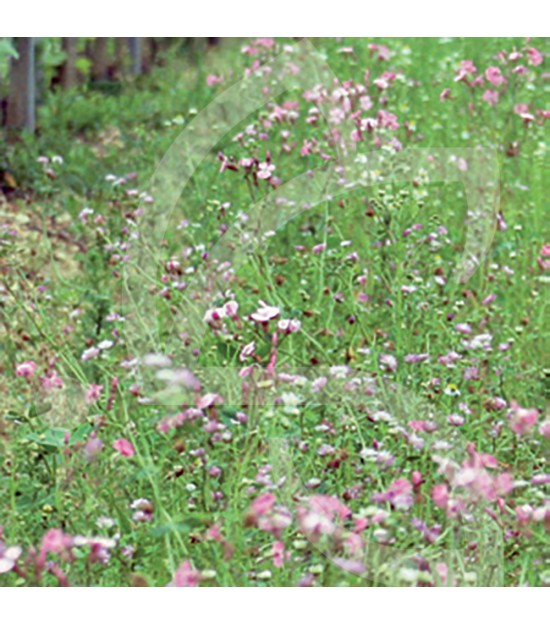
(523, 111)
(524, 514)
(445, 95)
(263, 504)
(388, 362)
(144, 510)
(8, 557)
(442, 570)
(383, 52)
(267, 516)
(288, 326)
(355, 567)
(477, 481)
(544, 258)
(247, 351)
(388, 120)
(399, 494)
(93, 393)
(92, 448)
(306, 148)
(462, 164)
(212, 80)
(124, 447)
(414, 358)
(320, 516)
(26, 369)
(440, 495)
(365, 102)
(54, 541)
(265, 170)
(209, 400)
(231, 309)
(544, 429)
(265, 313)
(535, 57)
(213, 315)
(89, 354)
(504, 483)
(491, 97)
(522, 420)
(51, 381)
(520, 108)
(186, 576)
(489, 299)
(466, 67)
(456, 419)
(279, 554)
(543, 261)
(494, 75)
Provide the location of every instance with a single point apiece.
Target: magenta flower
(279, 554)
(387, 120)
(267, 516)
(535, 56)
(93, 393)
(262, 505)
(124, 447)
(185, 576)
(54, 541)
(399, 494)
(491, 97)
(466, 67)
(231, 309)
(51, 381)
(522, 420)
(494, 76)
(440, 495)
(212, 80)
(322, 515)
(414, 358)
(26, 369)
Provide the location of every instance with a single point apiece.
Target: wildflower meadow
(274, 313)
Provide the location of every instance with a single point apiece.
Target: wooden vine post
(68, 76)
(135, 47)
(20, 112)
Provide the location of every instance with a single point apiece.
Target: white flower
(89, 354)
(8, 558)
(265, 313)
(156, 360)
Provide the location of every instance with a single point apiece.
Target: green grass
(47, 481)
